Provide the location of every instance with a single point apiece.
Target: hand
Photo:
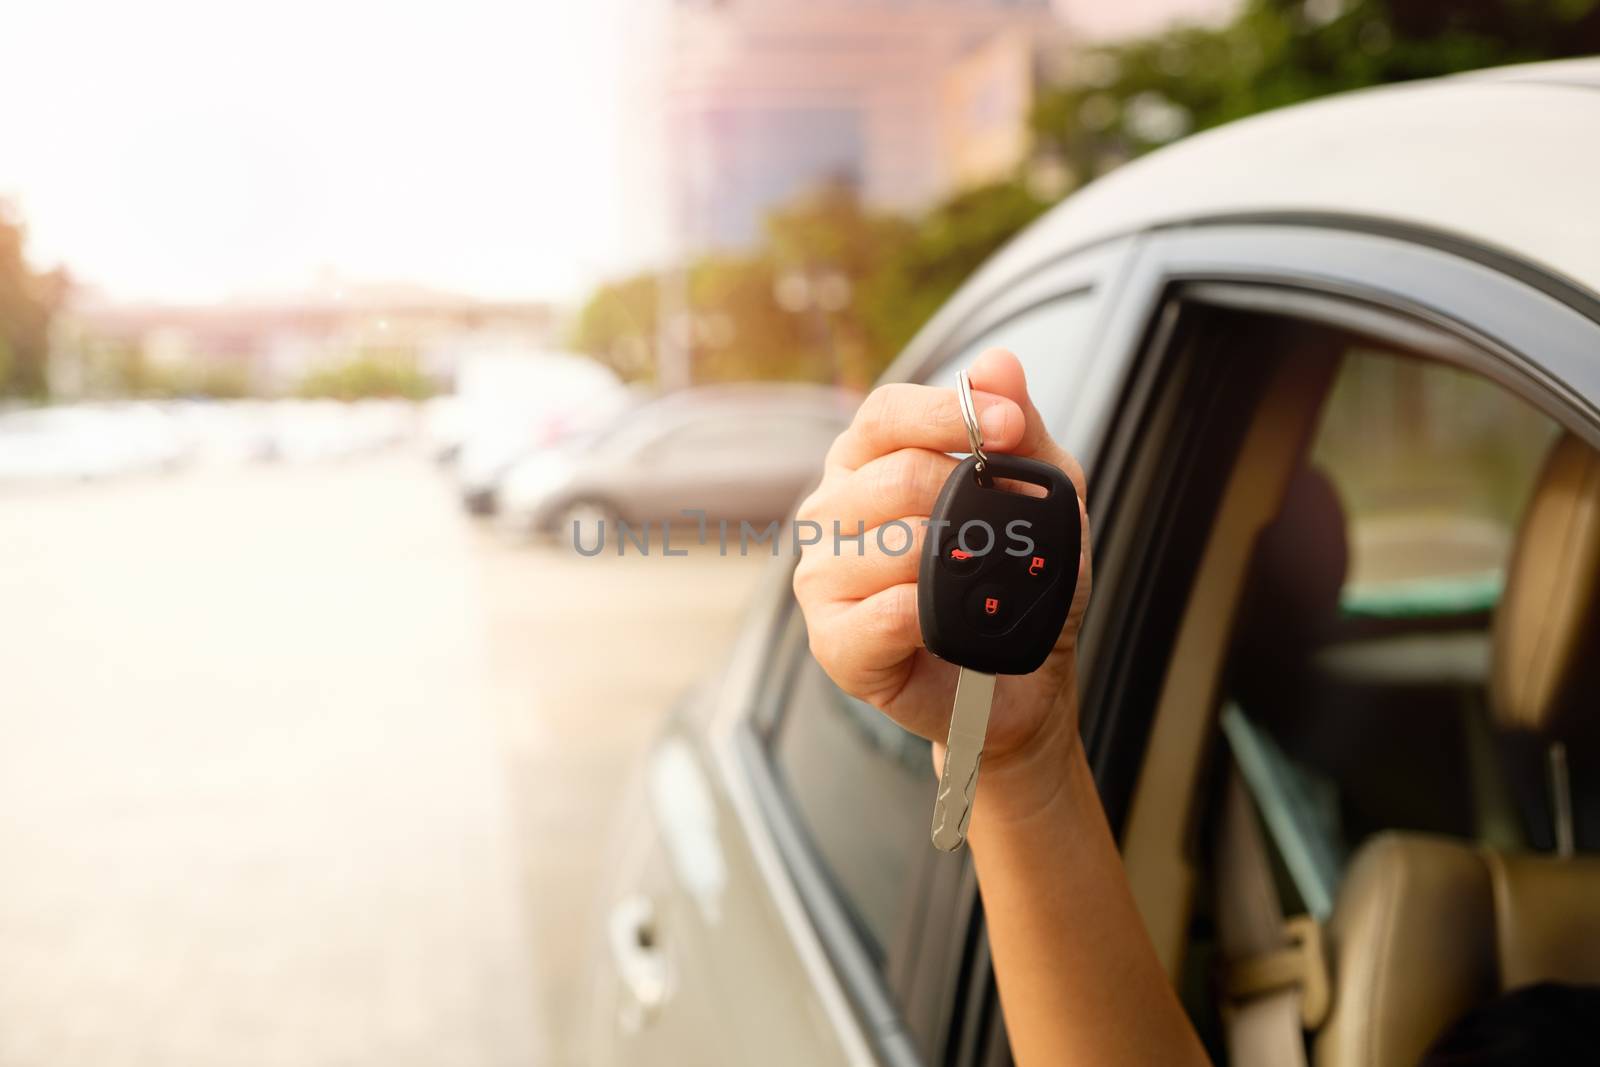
(861, 610)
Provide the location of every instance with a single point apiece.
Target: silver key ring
(969, 415)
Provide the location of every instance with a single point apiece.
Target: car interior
(1369, 798)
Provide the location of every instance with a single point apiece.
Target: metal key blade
(958, 781)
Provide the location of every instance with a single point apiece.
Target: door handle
(639, 957)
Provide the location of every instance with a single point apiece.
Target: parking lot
(302, 766)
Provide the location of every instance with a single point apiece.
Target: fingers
(855, 569)
(902, 415)
(902, 483)
(1000, 373)
(868, 647)
(860, 598)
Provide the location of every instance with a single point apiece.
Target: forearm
(1079, 980)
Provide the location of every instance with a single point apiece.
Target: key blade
(958, 781)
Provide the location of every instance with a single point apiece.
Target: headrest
(1291, 596)
(1547, 628)
(1426, 928)
(1412, 947)
(1297, 568)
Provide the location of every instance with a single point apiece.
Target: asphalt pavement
(298, 765)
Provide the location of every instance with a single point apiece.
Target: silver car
(738, 453)
(1335, 375)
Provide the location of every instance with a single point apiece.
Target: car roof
(1504, 159)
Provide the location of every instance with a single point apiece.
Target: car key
(997, 576)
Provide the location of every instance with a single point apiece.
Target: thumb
(998, 371)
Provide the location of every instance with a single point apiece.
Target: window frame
(1443, 308)
(1446, 307)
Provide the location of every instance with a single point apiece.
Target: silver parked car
(1334, 373)
(735, 453)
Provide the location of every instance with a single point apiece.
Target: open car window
(1357, 701)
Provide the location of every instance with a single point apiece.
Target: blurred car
(735, 453)
(86, 442)
(444, 425)
(1334, 373)
(513, 403)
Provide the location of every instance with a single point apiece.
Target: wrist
(1019, 785)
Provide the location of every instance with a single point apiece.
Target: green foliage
(618, 326)
(729, 310)
(831, 295)
(27, 303)
(945, 247)
(212, 381)
(1132, 97)
(374, 373)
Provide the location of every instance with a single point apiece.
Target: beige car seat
(1424, 928)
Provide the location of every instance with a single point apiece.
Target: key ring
(969, 415)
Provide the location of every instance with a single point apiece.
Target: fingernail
(993, 420)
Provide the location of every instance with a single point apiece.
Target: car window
(709, 432)
(1052, 339)
(1433, 466)
(1352, 691)
(1368, 711)
(861, 787)
(781, 433)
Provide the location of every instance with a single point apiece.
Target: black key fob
(999, 567)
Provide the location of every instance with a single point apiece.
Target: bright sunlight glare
(190, 150)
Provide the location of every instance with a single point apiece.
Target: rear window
(1433, 466)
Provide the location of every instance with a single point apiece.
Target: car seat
(1424, 928)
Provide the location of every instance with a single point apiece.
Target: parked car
(514, 403)
(87, 442)
(1334, 373)
(734, 453)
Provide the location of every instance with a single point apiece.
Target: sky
(195, 150)
(188, 151)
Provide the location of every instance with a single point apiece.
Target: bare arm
(1078, 978)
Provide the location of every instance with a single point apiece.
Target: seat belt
(1275, 978)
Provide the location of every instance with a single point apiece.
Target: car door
(812, 810)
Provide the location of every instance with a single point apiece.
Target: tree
(945, 247)
(788, 310)
(375, 371)
(27, 302)
(1130, 98)
(618, 325)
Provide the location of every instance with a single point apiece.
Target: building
(906, 100)
(271, 346)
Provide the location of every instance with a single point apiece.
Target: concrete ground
(299, 766)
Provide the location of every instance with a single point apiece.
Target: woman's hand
(861, 610)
